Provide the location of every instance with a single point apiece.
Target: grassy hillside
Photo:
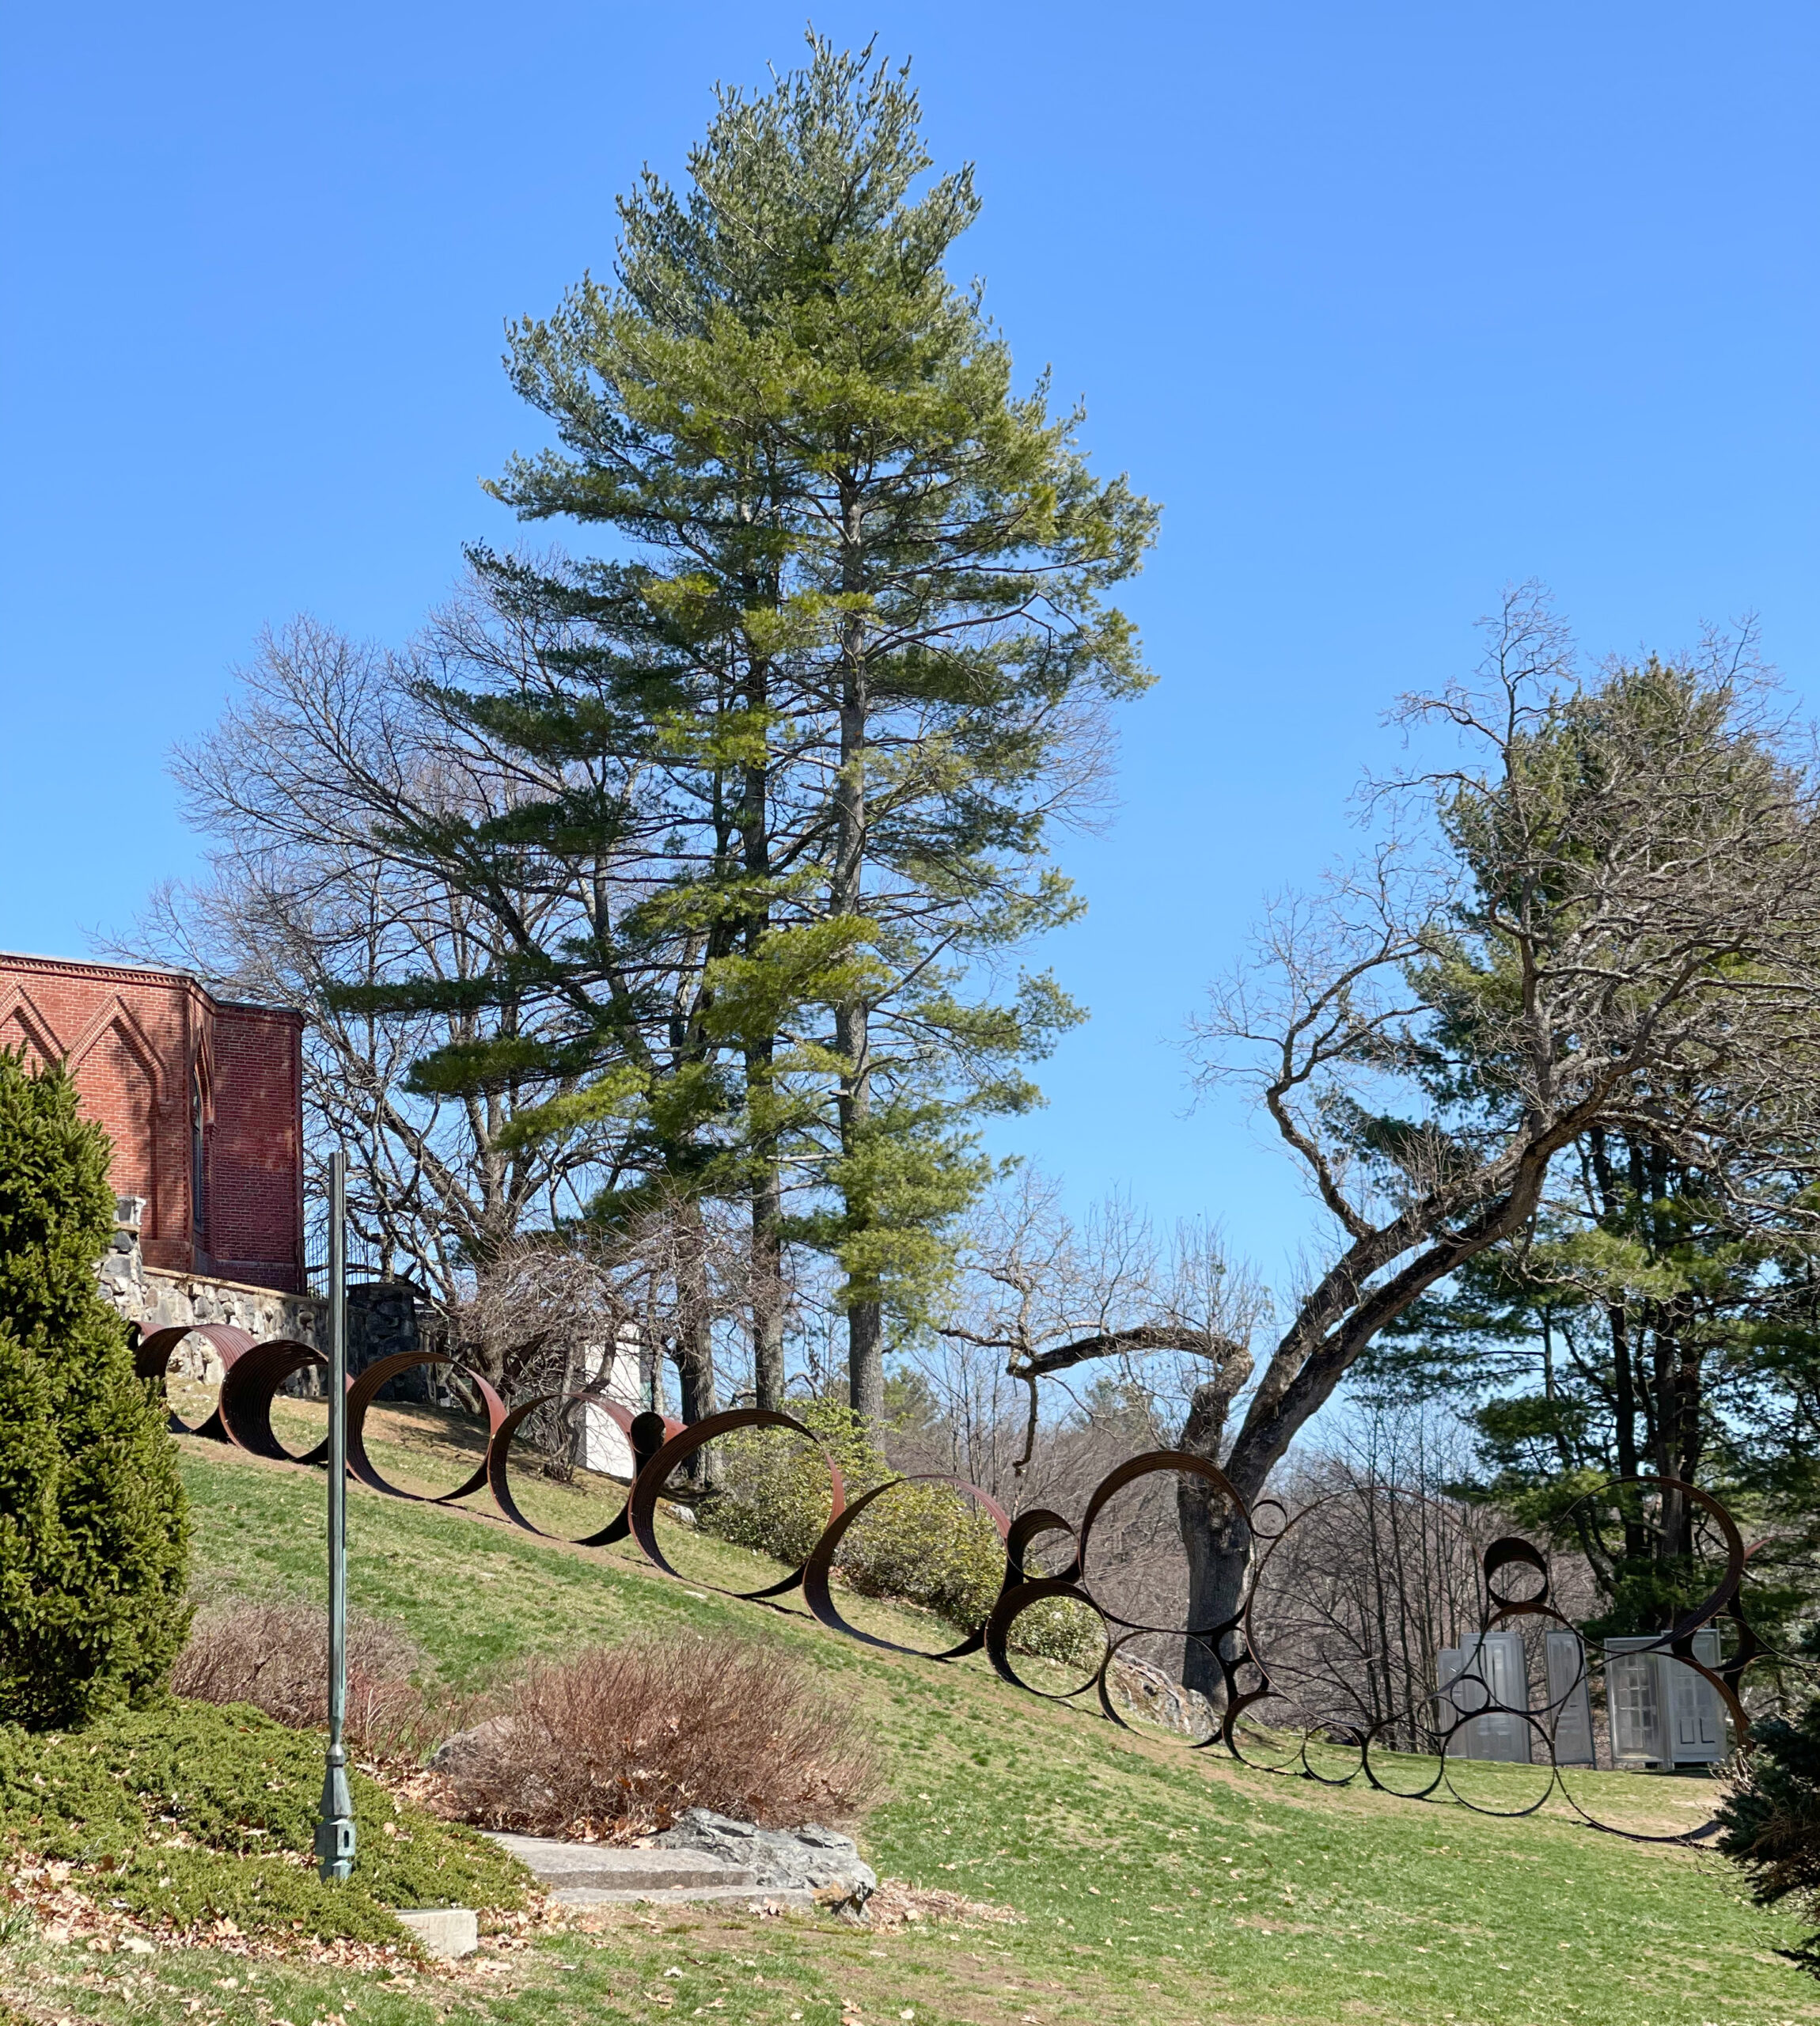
(1154, 1885)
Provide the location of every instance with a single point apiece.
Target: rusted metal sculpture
(1260, 1724)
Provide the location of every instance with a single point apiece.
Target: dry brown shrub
(275, 1657)
(616, 1743)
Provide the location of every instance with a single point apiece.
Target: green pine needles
(1770, 1822)
(94, 1528)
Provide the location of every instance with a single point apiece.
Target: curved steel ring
(152, 1357)
(248, 1390)
(820, 1566)
(364, 1390)
(647, 1488)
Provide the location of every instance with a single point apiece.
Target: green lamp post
(335, 1826)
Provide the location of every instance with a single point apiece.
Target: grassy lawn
(1154, 1884)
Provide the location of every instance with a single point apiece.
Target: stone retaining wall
(157, 1298)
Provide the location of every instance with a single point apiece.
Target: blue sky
(1389, 306)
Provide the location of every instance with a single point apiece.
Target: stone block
(446, 1932)
(612, 1868)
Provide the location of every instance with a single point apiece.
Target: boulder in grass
(466, 1750)
(813, 1859)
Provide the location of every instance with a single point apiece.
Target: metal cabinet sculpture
(1570, 1705)
(1663, 1713)
(1491, 1674)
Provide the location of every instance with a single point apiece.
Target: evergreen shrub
(93, 1525)
(1770, 1821)
(922, 1544)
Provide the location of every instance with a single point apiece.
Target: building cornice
(152, 974)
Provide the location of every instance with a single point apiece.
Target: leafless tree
(1607, 912)
(1049, 1298)
(330, 792)
(548, 1314)
(1376, 1570)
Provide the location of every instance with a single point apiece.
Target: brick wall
(180, 1081)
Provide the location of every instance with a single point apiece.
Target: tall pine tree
(853, 632)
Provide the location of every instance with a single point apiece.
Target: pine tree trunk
(694, 1336)
(866, 1361)
(865, 1367)
(767, 1291)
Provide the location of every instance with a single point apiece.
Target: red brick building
(203, 1098)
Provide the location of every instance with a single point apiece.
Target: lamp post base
(334, 1827)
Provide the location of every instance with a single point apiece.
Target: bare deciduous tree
(1049, 1297)
(1614, 920)
(312, 789)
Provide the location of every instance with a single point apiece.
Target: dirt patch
(895, 1905)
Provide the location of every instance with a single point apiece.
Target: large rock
(468, 1752)
(821, 1861)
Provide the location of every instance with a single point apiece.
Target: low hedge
(191, 1814)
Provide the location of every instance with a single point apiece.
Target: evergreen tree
(94, 1527)
(844, 668)
(1769, 1822)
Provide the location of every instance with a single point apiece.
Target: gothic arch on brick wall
(22, 1025)
(114, 1038)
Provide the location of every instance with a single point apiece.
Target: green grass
(1156, 1886)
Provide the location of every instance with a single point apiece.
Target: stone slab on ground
(755, 1898)
(818, 1860)
(609, 1867)
(446, 1933)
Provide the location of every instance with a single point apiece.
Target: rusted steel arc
(1013, 1602)
(1710, 1606)
(250, 1386)
(1503, 1814)
(366, 1389)
(818, 1594)
(152, 1356)
(647, 1433)
(499, 1454)
(1690, 1621)
(1355, 1741)
(1102, 1682)
(1177, 1461)
(1678, 1640)
(1031, 1526)
(1510, 1551)
(647, 1488)
(1238, 1701)
(1383, 1786)
(1750, 1646)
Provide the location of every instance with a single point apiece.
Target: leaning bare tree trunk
(1217, 1542)
(1215, 1537)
